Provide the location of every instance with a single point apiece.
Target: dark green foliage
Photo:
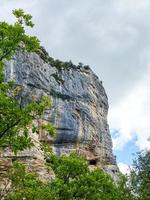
(68, 168)
(26, 185)
(73, 181)
(125, 188)
(140, 176)
(59, 64)
(95, 185)
(86, 67)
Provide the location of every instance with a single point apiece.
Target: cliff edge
(79, 111)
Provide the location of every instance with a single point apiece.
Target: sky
(113, 37)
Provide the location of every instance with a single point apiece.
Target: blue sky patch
(127, 154)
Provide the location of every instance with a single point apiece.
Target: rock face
(79, 110)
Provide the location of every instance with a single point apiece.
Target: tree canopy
(140, 175)
(73, 181)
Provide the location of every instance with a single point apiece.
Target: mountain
(79, 111)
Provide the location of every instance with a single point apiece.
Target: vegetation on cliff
(74, 181)
(58, 63)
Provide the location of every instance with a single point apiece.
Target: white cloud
(124, 168)
(107, 35)
(131, 116)
(113, 38)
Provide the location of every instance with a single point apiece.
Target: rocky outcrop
(79, 110)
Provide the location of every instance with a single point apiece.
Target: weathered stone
(79, 110)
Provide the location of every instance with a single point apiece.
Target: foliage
(68, 168)
(16, 118)
(140, 175)
(13, 36)
(50, 128)
(125, 188)
(58, 63)
(26, 185)
(73, 181)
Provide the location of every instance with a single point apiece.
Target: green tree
(15, 119)
(13, 36)
(125, 188)
(140, 176)
(73, 181)
(25, 185)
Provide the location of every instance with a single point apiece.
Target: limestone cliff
(79, 110)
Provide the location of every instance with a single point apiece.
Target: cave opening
(93, 162)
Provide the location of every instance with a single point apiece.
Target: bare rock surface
(79, 110)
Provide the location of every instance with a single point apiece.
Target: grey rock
(80, 106)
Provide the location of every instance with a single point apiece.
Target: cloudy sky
(113, 37)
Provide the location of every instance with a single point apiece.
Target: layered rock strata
(79, 111)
